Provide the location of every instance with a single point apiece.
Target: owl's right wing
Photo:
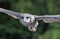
(10, 13)
(48, 18)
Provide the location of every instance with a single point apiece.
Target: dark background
(10, 28)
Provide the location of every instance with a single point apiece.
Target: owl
(29, 20)
(25, 19)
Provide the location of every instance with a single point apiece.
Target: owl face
(26, 19)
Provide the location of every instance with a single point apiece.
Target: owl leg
(33, 26)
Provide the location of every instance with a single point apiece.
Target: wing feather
(10, 13)
(49, 18)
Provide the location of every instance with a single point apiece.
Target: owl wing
(10, 13)
(48, 18)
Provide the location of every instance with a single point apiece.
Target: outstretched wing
(49, 18)
(10, 13)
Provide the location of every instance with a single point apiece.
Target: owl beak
(25, 20)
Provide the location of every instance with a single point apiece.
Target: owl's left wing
(10, 13)
(48, 18)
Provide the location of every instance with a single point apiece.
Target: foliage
(10, 28)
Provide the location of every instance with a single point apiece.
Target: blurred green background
(10, 28)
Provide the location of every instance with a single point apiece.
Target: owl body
(29, 21)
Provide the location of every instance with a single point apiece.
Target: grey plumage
(49, 18)
(10, 13)
(29, 20)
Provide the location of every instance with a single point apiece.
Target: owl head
(26, 19)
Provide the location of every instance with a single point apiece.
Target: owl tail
(31, 28)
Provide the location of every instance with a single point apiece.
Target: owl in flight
(29, 20)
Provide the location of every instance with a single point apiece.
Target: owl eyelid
(27, 17)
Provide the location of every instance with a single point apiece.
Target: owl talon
(32, 28)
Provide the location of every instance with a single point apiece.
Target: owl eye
(22, 17)
(27, 17)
